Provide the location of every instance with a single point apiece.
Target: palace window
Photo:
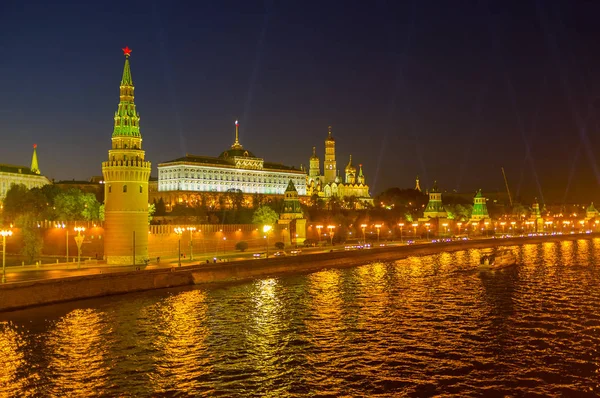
(141, 189)
(124, 188)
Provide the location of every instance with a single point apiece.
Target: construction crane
(507, 190)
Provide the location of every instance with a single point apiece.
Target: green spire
(126, 117)
(592, 209)
(360, 173)
(291, 187)
(479, 207)
(35, 168)
(291, 207)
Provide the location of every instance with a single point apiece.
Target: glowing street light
(378, 226)
(266, 230)
(401, 225)
(445, 225)
(415, 225)
(79, 240)
(191, 229)
(459, 224)
(427, 225)
(319, 227)
(4, 233)
(178, 231)
(331, 229)
(364, 227)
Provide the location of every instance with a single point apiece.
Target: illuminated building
(234, 170)
(435, 208)
(536, 216)
(480, 211)
(292, 217)
(591, 212)
(126, 175)
(330, 184)
(31, 177)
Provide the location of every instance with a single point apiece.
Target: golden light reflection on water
(11, 359)
(180, 355)
(76, 351)
(566, 250)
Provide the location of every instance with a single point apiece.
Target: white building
(14, 175)
(236, 169)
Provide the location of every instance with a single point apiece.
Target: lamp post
(79, 240)
(445, 225)
(319, 227)
(503, 225)
(459, 224)
(191, 229)
(364, 227)
(378, 226)
(331, 229)
(178, 231)
(401, 225)
(267, 229)
(4, 233)
(427, 225)
(486, 228)
(415, 225)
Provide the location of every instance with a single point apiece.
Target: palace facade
(234, 170)
(329, 184)
(31, 177)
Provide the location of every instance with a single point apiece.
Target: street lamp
(378, 226)
(318, 231)
(191, 229)
(364, 226)
(415, 225)
(178, 231)
(331, 232)
(459, 224)
(486, 228)
(79, 240)
(503, 225)
(267, 229)
(401, 225)
(427, 225)
(4, 233)
(445, 225)
(67, 240)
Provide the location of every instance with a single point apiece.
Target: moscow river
(420, 326)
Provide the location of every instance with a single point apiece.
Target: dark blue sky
(448, 90)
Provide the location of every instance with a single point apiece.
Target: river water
(419, 326)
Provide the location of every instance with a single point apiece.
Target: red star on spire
(34, 146)
(126, 51)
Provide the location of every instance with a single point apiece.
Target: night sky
(447, 90)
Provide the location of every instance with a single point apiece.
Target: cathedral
(329, 184)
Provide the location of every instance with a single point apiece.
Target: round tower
(330, 168)
(126, 176)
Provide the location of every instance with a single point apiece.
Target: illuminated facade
(330, 184)
(126, 175)
(480, 211)
(435, 208)
(234, 170)
(31, 177)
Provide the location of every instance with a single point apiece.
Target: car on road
(259, 255)
(280, 253)
(295, 252)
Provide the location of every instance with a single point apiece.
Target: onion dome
(350, 168)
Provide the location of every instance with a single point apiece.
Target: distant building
(480, 211)
(31, 176)
(234, 170)
(292, 217)
(435, 208)
(95, 185)
(329, 184)
(591, 212)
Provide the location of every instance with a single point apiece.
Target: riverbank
(41, 292)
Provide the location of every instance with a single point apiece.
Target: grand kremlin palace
(234, 170)
(31, 177)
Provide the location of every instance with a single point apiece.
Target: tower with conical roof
(591, 212)
(126, 175)
(35, 168)
(291, 218)
(350, 172)
(435, 208)
(330, 168)
(361, 176)
(536, 216)
(480, 211)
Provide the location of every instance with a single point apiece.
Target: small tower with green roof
(35, 168)
(536, 216)
(591, 212)
(126, 175)
(435, 208)
(480, 211)
(291, 218)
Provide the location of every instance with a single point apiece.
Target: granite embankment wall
(26, 294)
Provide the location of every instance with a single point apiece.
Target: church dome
(350, 169)
(236, 152)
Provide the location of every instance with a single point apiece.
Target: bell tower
(126, 176)
(330, 168)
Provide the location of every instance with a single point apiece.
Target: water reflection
(420, 326)
(77, 354)
(180, 355)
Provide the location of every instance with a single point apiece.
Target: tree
(279, 245)
(151, 211)
(32, 238)
(241, 246)
(264, 215)
(161, 209)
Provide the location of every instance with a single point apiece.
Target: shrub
(241, 246)
(279, 245)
